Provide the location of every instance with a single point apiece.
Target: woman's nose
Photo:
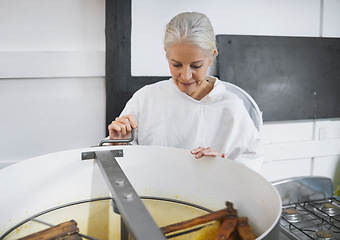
(186, 73)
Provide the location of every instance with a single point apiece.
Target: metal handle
(119, 140)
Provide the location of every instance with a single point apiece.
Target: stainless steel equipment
(309, 209)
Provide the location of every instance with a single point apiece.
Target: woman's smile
(186, 84)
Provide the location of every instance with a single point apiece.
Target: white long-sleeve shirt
(168, 117)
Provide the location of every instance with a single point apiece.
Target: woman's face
(188, 66)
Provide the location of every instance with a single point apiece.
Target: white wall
(302, 148)
(52, 87)
(52, 67)
(247, 17)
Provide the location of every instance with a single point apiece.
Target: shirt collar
(214, 96)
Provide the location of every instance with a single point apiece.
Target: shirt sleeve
(253, 156)
(252, 160)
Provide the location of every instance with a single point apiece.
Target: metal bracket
(92, 154)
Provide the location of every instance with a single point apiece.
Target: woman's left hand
(201, 151)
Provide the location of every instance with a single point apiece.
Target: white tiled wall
(52, 84)
(310, 148)
(327, 166)
(40, 116)
(276, 170)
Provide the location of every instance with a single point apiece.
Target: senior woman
(191, 110)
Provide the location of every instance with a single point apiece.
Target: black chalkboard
(290, 78)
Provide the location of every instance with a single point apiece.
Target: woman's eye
(196, 67)
(177, 65)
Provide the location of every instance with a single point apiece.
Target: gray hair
(192, 28)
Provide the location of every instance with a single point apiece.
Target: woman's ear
(214, 52)
(213, 56)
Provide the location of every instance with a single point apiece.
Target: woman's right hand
(122, 126)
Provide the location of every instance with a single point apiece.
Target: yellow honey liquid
(98, 220)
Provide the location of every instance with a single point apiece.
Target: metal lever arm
(136, 217)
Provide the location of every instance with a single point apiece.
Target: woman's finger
(132, 120)
(210, 152)
(114, 130)
(114, 127)
(196, 150)
(124, 124)
(200, 152)
(198, 155)
(128, 121)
